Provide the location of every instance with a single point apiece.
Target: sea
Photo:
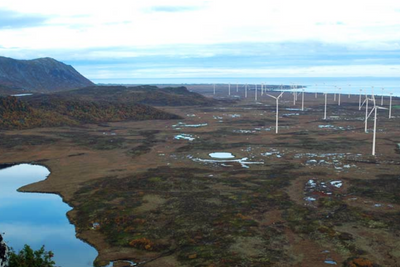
(346, 85)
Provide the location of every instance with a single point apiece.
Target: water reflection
(39, 219)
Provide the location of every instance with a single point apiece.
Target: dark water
(39, 219)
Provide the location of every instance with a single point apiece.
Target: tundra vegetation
(308, 196)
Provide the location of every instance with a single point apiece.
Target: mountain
(43, 74)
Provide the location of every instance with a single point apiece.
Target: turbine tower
(349, 90)
(375, 108)
(366, 113)
(326, 101)
(334, 95)
(277, 111)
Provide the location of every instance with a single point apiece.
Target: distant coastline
(348, 85)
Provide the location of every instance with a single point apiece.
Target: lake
(39, 219)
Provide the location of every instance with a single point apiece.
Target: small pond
(221, 155)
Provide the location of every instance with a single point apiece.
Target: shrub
(27, 257)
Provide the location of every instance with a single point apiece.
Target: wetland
(152, 193)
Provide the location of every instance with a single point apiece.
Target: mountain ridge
(41, 74)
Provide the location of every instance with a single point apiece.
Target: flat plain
(149, 192)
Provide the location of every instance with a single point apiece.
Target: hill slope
(149, 95)
(43, 74)
(52, 110)
(6, 91)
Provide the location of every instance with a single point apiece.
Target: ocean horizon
(347, 85)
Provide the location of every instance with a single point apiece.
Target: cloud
(13, 20)
(173, 9)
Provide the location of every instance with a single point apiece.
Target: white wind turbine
(359, 100)
(294, 98)
(255, 93)
(295, 94)
(339, 96)
(375, 108)
(382, 97)
(316, 94)
(214, 88)
(334, 95)
(229, 89)
(326, 101)
(366, 113)
(349, 90)
(277, 110)
(302, 101)
(237, 87)
(390, 105)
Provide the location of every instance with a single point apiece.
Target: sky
(116, 40)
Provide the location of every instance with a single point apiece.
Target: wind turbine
(339, 96)
(382, 97)
(214, 88)
(366, 113)
(277, 110)
(302, 101)
(359, 100)
(349, 90)
(375, 108)
(237, 87)
(255, 93)
(294, 98)
(334, 95)
(229, 89)
(316, 94)
(390, 106)
(326, 101)
(245, 91)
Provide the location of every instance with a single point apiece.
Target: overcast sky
(192, 38)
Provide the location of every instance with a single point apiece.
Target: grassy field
(311, 195)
